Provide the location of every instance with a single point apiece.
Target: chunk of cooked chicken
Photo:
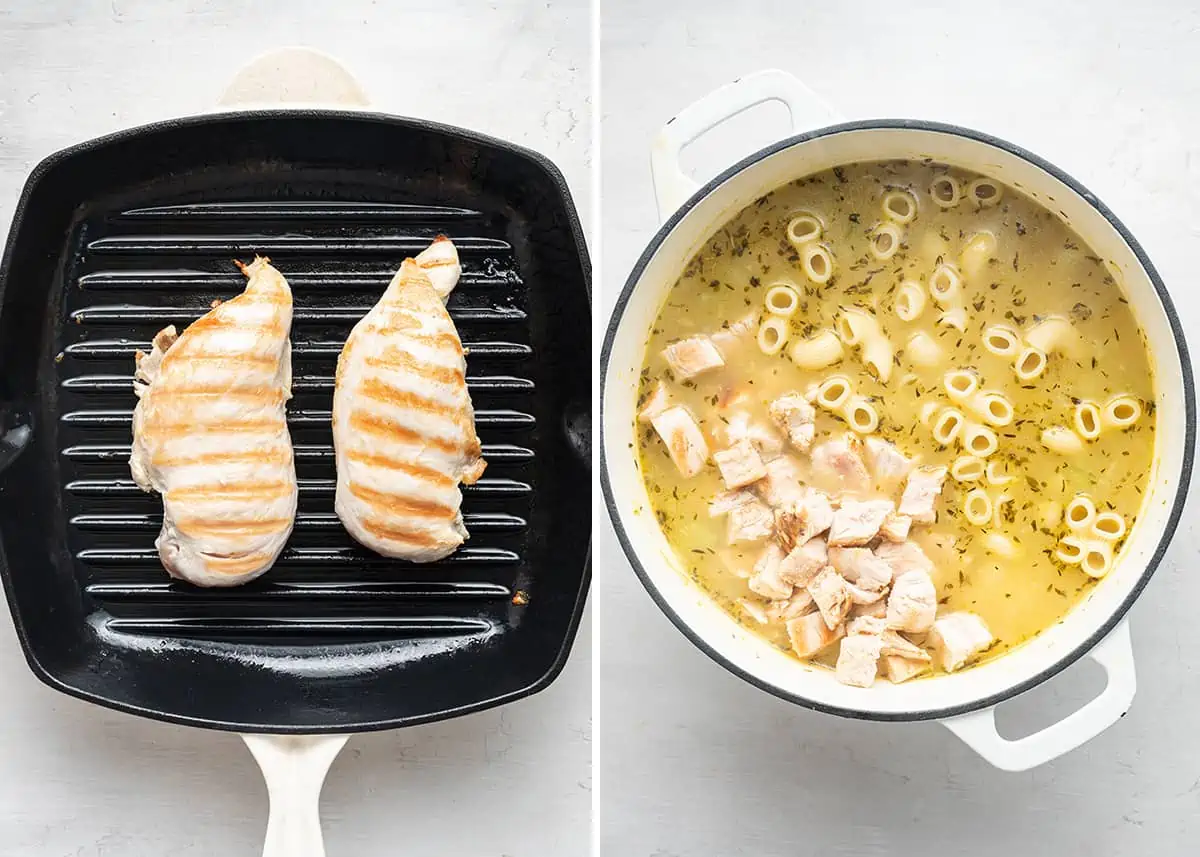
(740, 465)
(860, 566)
(899, 669)
(895, 643)
(912, 603)
(685, 442)
(736, 335)
(904, 557)
(755, 610)
(803, 563)
(866, 625)
(210, 434)
(784, 482)
(440, 263)
(655, 403)
(887, 463)
(857, 522)
(828, 589)
(895, 528)
(858, 660)
(920, 492)
(797, 418)
(875, 610)
(766, 580)
(809, 634)
(800, 604)
(741, 427)
(837, 466)
(803, 519)
(693, 356)
(750, 520)
(727, 501)
(957, 638)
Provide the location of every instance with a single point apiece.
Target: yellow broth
(1040, 268)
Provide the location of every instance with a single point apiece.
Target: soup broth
(972, 330)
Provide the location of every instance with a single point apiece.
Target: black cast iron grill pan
(116, 238)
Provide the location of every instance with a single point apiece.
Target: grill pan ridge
(117, 238)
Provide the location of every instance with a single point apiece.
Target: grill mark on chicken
(404, 535)
(240, 490)
(388, 429)
(238, 564)
(259, 394)
(168, 430)
(199, 527)
(212, 323)
(379, 391)
(417, 471)
(395, 358)
(254, 456)
(402, 504)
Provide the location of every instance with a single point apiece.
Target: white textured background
(82, 781)
(694, 763)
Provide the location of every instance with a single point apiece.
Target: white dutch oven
(965, 702)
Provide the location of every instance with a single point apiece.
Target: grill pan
(114, 239)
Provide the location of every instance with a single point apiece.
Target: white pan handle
(293, 77)
(672, 187)
(978, 729)
(294, 767)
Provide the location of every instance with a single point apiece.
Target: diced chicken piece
(693, 356)
(876, 610)
(861, 567)
(740, 465)
(858, 660)
(922, 489)
(766, 580)
(749, 521)
(857, 522)
(866, 625)
(800, 604)
(957, 638)
(685, 442)
(837, 466)
(828, 589)
(784, 482)
(896, 528)
(804, 562)
(754, 610)
(900, 669)
(803, 519)
(912, 604)
(655, 404)
(809, 634)
(727, 501)
(765, 440)
(904, 557)
(860, 596)
(887, 463)
(896, 644)
(797, 418)
(740, 333)
(731, 395)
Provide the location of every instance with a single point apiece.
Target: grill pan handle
(978, 730)
(672, 186)
(294, 767)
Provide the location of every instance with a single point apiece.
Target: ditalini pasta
(782, 300)
(859, 329)
(910, 301)
(891, 403)
(818, 351)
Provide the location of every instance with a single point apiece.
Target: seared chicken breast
(403, 424)
(210, 434)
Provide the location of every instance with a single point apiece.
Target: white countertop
(695, 763)
(76, 779)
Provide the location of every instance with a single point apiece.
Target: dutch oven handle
(1115, 654)
(294, 766)
(673, 187)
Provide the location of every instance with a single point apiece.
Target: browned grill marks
(199, 527)
(241, 491)
(418, 471)
(418, 538)
(373, 388)
(254, 456)
(396, 358)
(401, 504)
(395, 431)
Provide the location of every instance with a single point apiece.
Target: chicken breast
(210, 434)
(403, 424)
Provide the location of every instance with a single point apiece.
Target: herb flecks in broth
(896, 323)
